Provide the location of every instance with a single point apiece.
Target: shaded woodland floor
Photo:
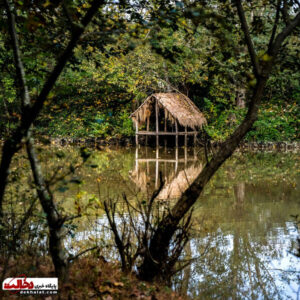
(90, 277)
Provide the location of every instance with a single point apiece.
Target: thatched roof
(177, 107)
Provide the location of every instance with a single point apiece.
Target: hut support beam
(185, 137)
(176, 160)
(148, 170)
(157, 124)
(136, 133)
(156, 167)
(137, 160)
(165, 128)
(176, 131)
(148, 126)
(142, 132)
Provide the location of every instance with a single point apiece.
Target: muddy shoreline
(96, 142)
(130, 142)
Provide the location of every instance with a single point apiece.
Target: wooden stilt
(137, 159)
(185, 137)
(157, 124)
(185, 156)
(176, 130)
(195, 137)
(165, 129)
(148, 125)
(156, 167)
(136, 133)
(176, 158)
(147, 163)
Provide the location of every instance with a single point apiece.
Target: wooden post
(157, 124)
(156, 167)
(185, 137)
(136, 133)
(165, 129)
(195, 137)
(148, 170)
(176, 130)
(137, 160)
(147, 130)
(185, 156)
(176, 159)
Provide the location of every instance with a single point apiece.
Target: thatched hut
(168, 114)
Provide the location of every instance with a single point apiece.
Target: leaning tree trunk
(54, 219)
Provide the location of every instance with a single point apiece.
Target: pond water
(243, 226)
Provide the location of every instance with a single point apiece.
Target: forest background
(114, 69)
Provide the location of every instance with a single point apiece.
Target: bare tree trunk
(54, 219)
(187, 271)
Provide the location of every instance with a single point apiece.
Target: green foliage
(275, 122)
(90, 123)
(196, 49)
(109, 125)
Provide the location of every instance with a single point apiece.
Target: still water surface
(243, 228)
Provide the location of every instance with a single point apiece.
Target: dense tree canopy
(131, 51)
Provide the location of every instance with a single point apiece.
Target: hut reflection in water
(179, 168)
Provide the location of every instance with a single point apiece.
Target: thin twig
(72, 258)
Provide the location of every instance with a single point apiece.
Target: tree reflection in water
(249, 256)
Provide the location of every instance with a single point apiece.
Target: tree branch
(72, 258)
(285, 13)
(283, 34)
(36, 108)
(248, 40)
(17, 55)
(275, 25)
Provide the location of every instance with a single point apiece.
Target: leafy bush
(275, 122)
